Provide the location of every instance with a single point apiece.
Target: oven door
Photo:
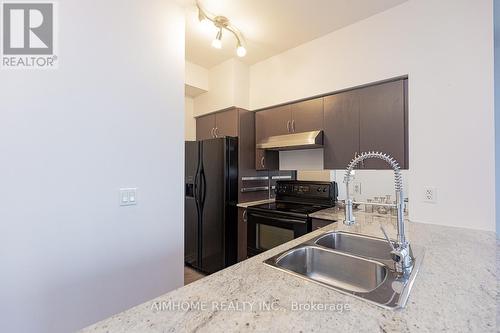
(267, 230)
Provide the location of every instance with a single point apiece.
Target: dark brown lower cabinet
(242, 234)
(320, 223)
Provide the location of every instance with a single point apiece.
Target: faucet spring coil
(398, 178)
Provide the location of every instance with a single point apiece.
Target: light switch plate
(128, 196)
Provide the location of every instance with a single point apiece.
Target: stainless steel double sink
(353, 264)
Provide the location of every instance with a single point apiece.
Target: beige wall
(189, 120)
(107, 118)
(228, 86)
(446, 49)
(196, 76)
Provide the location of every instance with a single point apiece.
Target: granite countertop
(252, 203)
(332, 214)
(455, 291)
(337, 214)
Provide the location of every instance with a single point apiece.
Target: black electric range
(287, 218)
(289, 208)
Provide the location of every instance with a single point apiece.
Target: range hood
(295, 141)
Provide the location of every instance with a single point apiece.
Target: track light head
(241, 51)
(217, 42)
(221, 22)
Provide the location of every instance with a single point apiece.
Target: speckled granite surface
(455, 291)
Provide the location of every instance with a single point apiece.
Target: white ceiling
(272, 26)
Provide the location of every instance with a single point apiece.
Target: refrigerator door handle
(203, 189)
(196, 195)
(199, 204)
(197, 177)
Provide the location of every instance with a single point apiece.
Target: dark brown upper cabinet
(205, 126)
(260, 159)
(372, 118)
(267, 160)
(287, 119)
(307, 116)
(271, 122)
(226, 123)
(341, 135)
(218, 125)
(382, 122)
(291, 118)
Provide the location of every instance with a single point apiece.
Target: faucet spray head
(349, 216)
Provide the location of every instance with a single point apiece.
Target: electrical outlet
(357, 188)
(430, 194)
(128, 196)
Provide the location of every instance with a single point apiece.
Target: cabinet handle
(212, 132)
(293, 126)
(288, 126)
(245, 217)
(215, 131)
(262, 161)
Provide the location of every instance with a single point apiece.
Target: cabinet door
(275, 121)
(260, 159)
(341, 140)
(320, 223)
(205, 126)
(382, 122)
(307, 115)
(271, 122)
(242, 234)
(267, 160)
(226, 123)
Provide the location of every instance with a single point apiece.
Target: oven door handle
(279, 219)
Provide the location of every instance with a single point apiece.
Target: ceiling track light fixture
(222, 23)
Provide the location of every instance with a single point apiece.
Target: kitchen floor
(191, 275)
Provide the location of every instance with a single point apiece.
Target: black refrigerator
(210, 211)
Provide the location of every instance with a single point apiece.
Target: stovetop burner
(300, 198)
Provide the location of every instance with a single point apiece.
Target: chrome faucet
(400, 253)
